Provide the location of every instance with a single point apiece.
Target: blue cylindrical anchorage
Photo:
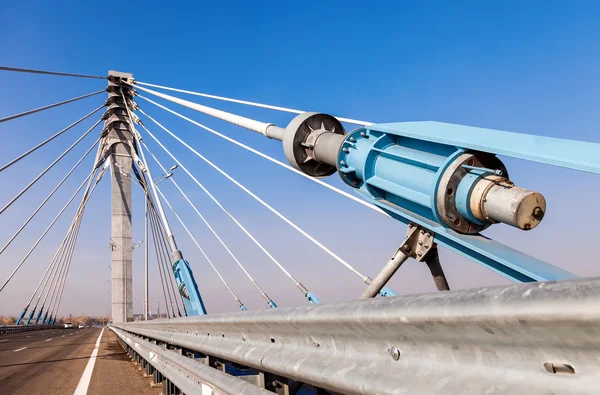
(37, 318)
(21, 316)
(402, 171)
(30, 316)
(438, 182)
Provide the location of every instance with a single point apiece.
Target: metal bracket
(418, 242)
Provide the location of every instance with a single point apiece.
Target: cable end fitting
(312, 298)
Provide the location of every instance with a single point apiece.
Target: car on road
(68, 325)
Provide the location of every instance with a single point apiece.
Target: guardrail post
(149, 370)
(157, 378)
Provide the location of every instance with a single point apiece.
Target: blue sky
(526, 67)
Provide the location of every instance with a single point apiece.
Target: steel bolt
(363, 134)
(426, 245)
(394, 353)
(422, 232)
(345, 150)
(538, 213)
(352, 139)
(342, 163)
(420, 243)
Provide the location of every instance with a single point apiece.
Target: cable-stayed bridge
(443, 183)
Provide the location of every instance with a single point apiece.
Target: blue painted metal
(21, 316)
(243, 307)
(53, 321)
(385, 291)
(312, 298)
(463, 193)
(272, 304)
(45, 318)
(395, 168)
(396, 171)
(194, 305)
(571, 154)
(37, 318)
(497, 257)
(31, 316)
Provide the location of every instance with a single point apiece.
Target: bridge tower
(119, 148)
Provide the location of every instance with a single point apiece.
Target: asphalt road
(53, 361)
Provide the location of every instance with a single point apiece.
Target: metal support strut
(419, 245)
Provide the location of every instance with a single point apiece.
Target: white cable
(45, 278)
(265, 204)
(5, 68)
(59, 287)
(48, 197)
(79, 216)
(230, 216)
(247, 123)
(206, 222)
(65, 242)
(64, 247)
(161, 211)
(49, 106)
(249, 103)
(267, 157)
(45, 232)
(48, 168)
(12, 162)
(200, 248)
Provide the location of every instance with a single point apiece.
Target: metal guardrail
(527, 338)
(189, 375)
(8, 329)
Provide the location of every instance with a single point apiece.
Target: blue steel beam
(572, 154)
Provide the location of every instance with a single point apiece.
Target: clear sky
(528, 67)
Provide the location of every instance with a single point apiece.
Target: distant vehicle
(68, 325)
(81, 326)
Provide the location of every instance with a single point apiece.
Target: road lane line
(48, 340)
(28, 337)
(5, 340)
(22, 348)
(63, 336)
(84, 382)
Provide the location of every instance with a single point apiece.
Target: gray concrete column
(122, 306)
(120, 140)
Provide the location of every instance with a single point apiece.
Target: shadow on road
(117, 356)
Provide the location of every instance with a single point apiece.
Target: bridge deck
(53, 362)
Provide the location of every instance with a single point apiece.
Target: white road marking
(28, 337)
(63, 336)
(22, 348)
(48, 340)
(5, 340)
(84, 382)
